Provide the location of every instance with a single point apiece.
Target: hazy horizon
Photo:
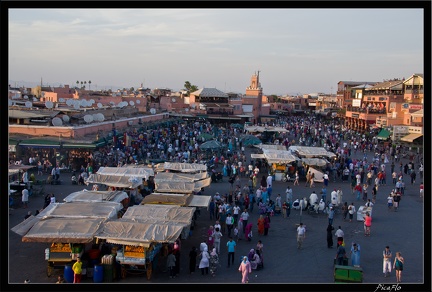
(295, 50)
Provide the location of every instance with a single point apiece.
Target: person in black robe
(192, 259)
(330, 228)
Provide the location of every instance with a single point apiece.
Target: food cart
(140, 242)
(69, 228)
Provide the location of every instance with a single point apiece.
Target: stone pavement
(402, 230)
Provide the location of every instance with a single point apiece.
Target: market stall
(96, 196)
(181, 186)
(140, 243)
(183, 167)
(68, 227)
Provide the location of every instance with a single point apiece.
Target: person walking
(421, 189)
(171, 262)
(214, 262)
(297, 178)
(77, 269)
(330, 229)
(245, 217)
(351, 211)
(266, 224)
(301, 235)
(217, 235)
(331, 215)
(340, 255)
(260, 224)
(367, 224)
(345, 210)
(340, 236)
(192, 259)
(240, 229)
(398, 266)
(229, 223)
(245, 269)
(204, 262)
(387, 256)
(312, 180)
(24, 198)
(231, 245)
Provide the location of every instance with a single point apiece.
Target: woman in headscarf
(248, 230)
(214, 262)
(245, 269)
(266, 224)
(204, 262)
(261, 225)
(254, 259)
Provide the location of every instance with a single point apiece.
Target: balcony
(367, 111)
(220, 113)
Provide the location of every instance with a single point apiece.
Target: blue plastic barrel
(98, 273)
(68, 273)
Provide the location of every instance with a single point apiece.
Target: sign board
(356, 102)
(355, 116)
(415, 106)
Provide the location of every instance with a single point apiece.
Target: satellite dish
(186, 109)
(138, 101)
(132, 103)
(66, 118)
(99, 105)
(95, 117)
(25, 96)
(125, 103)
(43, 93)
(130, 123)
(83, 102)
(35, 99)
(28, 104)
(76, 106)
(112, 103)
(69, 102)
(62, 99)
(92, 101)
(88, 118)
(173, 99)
(101, 117)
(10, 102)
(49, 104)
(57, 122)
(152, 111)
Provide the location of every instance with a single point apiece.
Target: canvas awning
(411, 137)
(168, 199)
(383, 134)
(152, 213)
(314, 161)
(181, 186)
(96, 196)
(79, 145)
(136, 172)
(184, 167)
(186, 177)
(140, 234)
(306, 151)
(114, 180)
(257, 155)
(77, 230)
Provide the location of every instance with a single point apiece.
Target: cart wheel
(123, 272)
(49, 270)
(149, 270)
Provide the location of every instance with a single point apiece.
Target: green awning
(40, 143)
(383, 135)
(13, 141)
(79, 145)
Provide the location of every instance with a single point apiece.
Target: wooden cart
(59, 254)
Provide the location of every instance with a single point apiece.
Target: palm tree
(85, 82)
(89, 82)
(77, 83)
(81, 84)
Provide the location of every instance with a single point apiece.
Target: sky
(295, 50)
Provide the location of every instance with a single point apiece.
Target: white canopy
(278, 156)
(186, 177)
(136, 172)
(147, 169)
(178, 199)
(319, 176)
(311, 151)
(181, 186)
(114, 180)
(128, 232)
(271, 146)
(314, 161)
(184, 167)
(76, 230)
(96, 196)
(159, 214)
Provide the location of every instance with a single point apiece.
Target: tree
(81, 84)
(189, 87)
(89, 82)
(77, 83)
